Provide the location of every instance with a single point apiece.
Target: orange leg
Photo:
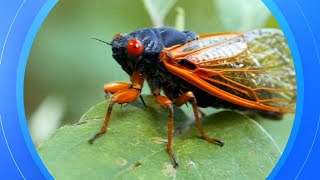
(124, 93)
(114, 87)
(165, 102)
(122, 97)
(189, 97)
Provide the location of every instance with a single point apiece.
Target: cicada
(251, 71)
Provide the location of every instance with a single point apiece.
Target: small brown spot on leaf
(135, 165)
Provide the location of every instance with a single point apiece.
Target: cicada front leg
(189, 97)
(114, 87)
(125, 96)
(121, 96)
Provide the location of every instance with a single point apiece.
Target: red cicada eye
(117, 35)
(135, 47)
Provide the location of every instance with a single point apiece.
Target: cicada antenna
(102, 41)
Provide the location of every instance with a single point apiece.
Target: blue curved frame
(19, 159)
(298, 19)
(299, 76)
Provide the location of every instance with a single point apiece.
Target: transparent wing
(256, 65)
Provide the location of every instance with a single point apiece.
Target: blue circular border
(44, 11)
(301, 157)
(298, 19)
(19, 158)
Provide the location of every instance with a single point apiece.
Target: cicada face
(139, 47)
(121, 55)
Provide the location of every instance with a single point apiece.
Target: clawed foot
(175, 163)
(94, 138)
(213, 140)
(175, 160)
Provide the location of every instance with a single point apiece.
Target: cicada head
(135, 48)
(126, 51)
(142, 48)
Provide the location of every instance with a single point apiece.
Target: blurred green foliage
(65, 62)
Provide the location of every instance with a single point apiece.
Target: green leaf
(279, 130)
(134, 146)
(158, 9)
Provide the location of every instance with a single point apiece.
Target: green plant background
(66, 66)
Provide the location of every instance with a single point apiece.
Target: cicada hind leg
(189, 97)
(167, 103)
(184, 98)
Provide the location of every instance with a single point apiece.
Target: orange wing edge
(205, 86)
